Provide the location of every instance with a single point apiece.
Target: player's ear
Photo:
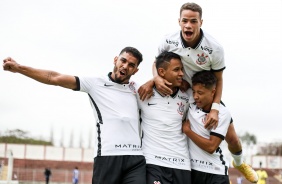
(201, 22)
(161, 72)
(115, 60)
(213, 91)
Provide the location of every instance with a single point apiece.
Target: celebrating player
(199, 51)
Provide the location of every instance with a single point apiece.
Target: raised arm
(43, 76)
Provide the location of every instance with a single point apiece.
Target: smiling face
(190, 23)
(173, 73)
(125, 66)
(203, 96)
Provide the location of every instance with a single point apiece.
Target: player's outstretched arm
(209, 145)
(43, 76)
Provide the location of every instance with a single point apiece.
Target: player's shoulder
(211, 41)
(224, 111)
(172, 36)
(92, 78)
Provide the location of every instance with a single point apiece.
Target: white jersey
(201, 160)
(116, 111)
(163, 142)
(207, 55)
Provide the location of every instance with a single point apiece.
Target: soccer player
(164, 144)
(208, 163)
(199, 51)
(118, 156)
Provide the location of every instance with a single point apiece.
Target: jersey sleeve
(223, 122)
(218, 63)
(86, 84)
(163, 46)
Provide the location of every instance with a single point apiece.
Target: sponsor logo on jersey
(202, 163)
(132, 87)
(208, 49)
(149, 104)
(184, 98)
(180, 109)
(202, 59)
(134, 147)
(107, 85)
(173, 42)
(179, 160)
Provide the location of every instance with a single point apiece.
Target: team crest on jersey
(132, 87)
(180, 109)
(202, 59)
(172, 42)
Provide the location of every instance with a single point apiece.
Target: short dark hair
(164, 58)
(206, 78)
(134, 52)
(192, 6)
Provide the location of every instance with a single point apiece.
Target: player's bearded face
(125, 67)
(190, 23)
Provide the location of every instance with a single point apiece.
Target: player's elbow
(211, 149)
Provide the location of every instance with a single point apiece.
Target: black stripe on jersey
(218, 70)
(100, 121)
(217, 135)
(77, 84)
(218, 150)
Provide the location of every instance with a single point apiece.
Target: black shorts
(208, 178)
(164, 175)
(124, 169)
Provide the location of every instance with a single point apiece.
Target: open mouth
(188, 33)
(122, 73)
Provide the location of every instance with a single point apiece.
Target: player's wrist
(215, 106)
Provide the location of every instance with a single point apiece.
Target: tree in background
(274, 149)
(18, 136)
(249, 140)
